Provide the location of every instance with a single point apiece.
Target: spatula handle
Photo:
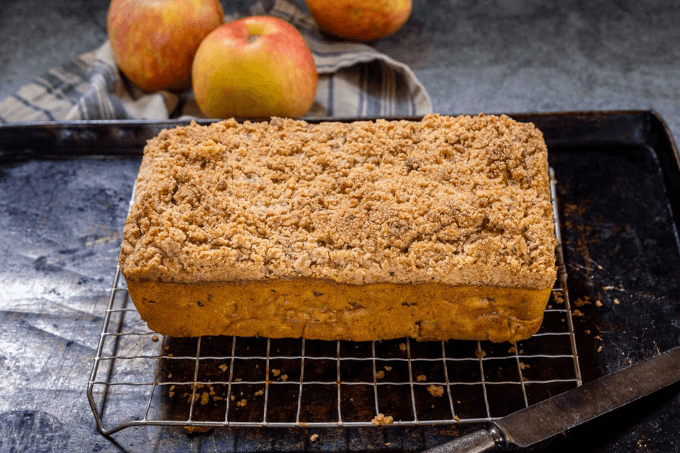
(475, 442)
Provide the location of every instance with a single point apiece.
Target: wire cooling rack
(141, 378)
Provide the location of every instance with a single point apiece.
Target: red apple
(360, 20)
(259, 66)
(154, 41)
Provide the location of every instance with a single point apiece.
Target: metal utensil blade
(574, 407)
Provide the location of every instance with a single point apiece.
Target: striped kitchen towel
(354, 80)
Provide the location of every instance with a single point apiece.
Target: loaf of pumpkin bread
(434, 229)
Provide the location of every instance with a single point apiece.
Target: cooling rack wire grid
(141, 378)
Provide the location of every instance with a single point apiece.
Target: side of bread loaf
(440, 228)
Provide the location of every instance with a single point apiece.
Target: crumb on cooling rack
(599, 349)
(381, 419)
(577, 313)
(421, 378)
(223, 367)
(275, 372)
(388, 368)
(284, 377)
(379, 374)
(523, 365)
(435, 390)
(259, 392)
(242, 403)
(616, 302)
(456, 418)
(402, 346)
(598, 303)
(314, 437)
(232, 397)
(512, 350)
(205, 398)
(558, 298)
(171, 392)
(480, 353)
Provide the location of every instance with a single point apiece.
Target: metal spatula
(572, 408)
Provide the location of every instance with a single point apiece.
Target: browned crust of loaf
(452, 200)
(323, 310)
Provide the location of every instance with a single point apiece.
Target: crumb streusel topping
(453, 200)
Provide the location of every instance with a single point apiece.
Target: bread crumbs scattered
(314, 437)
(223, 367)
(421, 378)
(587, 331)
(284, 377)
(197, 429)
(512, 350)
(558, 298)
(456, 418)
(169, 375)
(523, 366)
(205, 398)
(379, 374)
(599, 349)
(480, 354)
(238, 379)
(232, 397)
(388, 368)
(381, 419)
(275, 372)
(616, 301)
(154, 338)
(402, 346)
(435, 390)
(577, 313)
(217, 398)
(581, 302)
(259, 393)
(242, 403)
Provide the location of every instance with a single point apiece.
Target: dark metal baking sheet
(64, 190)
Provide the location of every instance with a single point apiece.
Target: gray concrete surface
(472, 56)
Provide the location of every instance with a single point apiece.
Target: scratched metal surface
(618, 183)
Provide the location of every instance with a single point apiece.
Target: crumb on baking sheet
(223, 367)
(197, 429)
(435, 390)
(381, 419)
(314, 437)
(275, 372)
(598, 303)
(581, 301)
(421, 378)
(205, 398)
(577, 313)
(379, 374)
(259, 392)
(242, 402)
(616, 301)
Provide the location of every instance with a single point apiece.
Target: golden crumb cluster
(449, 200)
